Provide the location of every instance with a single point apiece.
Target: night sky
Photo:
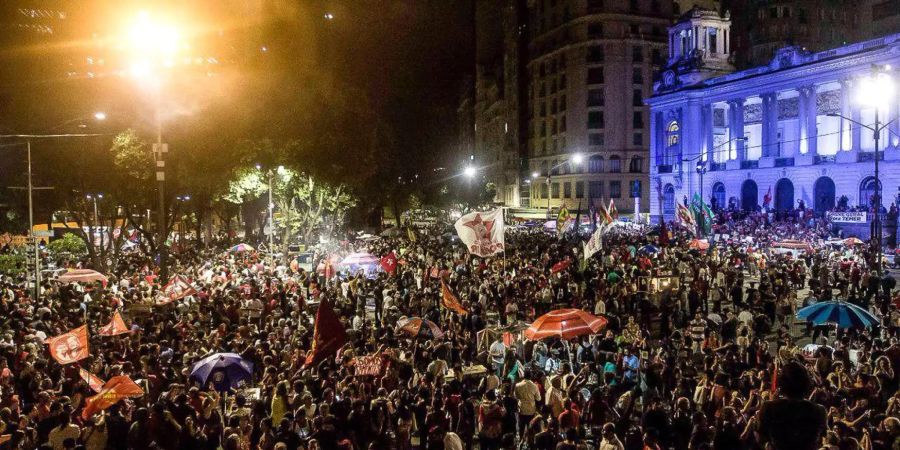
(404, 61)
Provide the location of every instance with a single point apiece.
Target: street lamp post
(31, 188)
(875, 92)
(94, 198)
(154, 44)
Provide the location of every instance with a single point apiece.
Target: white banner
(595, 243)
(847, 217)
(482, 232)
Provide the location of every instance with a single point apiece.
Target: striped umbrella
(565, 324)
(241, 248)
(82, 276)
(360, 259)
(842, 314)
(419, 327)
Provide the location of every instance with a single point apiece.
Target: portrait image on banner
(482, 232)
(71, 346)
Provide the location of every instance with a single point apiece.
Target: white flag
(595, 243)
(482, 232)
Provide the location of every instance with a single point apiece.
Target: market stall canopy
(565, 324)
(82, 276)
(852, 241)
(840, 313)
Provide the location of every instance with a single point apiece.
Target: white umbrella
(360, 259)
(81, 276)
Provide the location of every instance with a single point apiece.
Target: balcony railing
(716, 167)
(823, 159)
(784, 162)
(664, 168)
(750, 164)
(869, 156)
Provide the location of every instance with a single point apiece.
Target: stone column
(706, 131)
(802, 119)
(736, 128)
(769, 124)
(807, 119)
(846, 125)
(894, 134)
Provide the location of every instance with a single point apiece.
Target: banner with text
(847, 217)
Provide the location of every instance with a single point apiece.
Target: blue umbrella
(842, 314)
(224, 370)
(649, 249)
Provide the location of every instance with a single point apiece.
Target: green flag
(702, 213)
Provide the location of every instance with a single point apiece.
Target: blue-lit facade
(772, 128)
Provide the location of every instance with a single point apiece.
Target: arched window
(669, 199)
(867, 192)
(636, 165)
(595, 164)
(672, 134)
(615, 164)
(718, 196)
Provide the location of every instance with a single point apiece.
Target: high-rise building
(591, 65)
(560, 78)
(762, 27)
(491, 112)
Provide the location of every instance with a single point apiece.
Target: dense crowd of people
(700, 350)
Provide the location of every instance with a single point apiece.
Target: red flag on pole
(389, 263)
(775, 378)
(449, 301)
(115, 327)
(767, 198)
(328, 335)
(113, 390)
(71, 346)
(96, 383)
(177, 288)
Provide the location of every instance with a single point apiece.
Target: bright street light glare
(535, 174)
(147, 36)
(876, 91)
(469, 171)
(100, 115)
(577, 158)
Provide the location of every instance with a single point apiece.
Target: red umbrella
(565, 324)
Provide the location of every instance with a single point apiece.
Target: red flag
(767, 198)
(113, 390)
(449, 301)
(328, 335)
(560, 266)
(95, 382)
(775, 378)
(115, 327)
(177, 288)
(389, 263)
(71, 346)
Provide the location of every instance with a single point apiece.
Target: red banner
(368, 365)
(177, 288)
(117, 388)
(96, 383)
(449, 301)
(70, 347)
(115, 327)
